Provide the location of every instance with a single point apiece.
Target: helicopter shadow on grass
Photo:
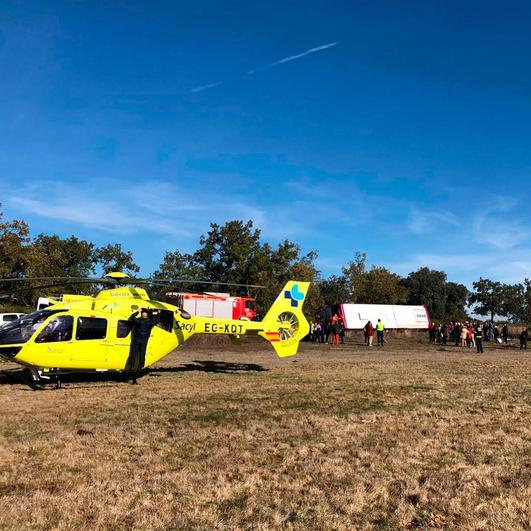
(22, 376)
(210, 366)
(14, 377)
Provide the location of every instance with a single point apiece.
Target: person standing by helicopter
(141, 331)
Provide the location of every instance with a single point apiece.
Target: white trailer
(356, 316)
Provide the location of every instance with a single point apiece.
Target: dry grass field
(411, 436)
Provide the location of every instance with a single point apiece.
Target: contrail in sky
(292, 57)
(271, 65)
(206, 87)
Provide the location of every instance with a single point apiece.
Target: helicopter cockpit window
(58, 329)
(91, 328)
(22, 329)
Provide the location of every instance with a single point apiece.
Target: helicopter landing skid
(39, 379)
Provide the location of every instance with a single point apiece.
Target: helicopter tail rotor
(285, 324)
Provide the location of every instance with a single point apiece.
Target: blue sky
(401, 129)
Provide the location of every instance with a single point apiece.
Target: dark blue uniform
(478, 336)
(523, 339)
(140, 333)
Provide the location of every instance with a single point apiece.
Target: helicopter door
(53, 345)
(122, 345)
(162, 339)
(92, 345)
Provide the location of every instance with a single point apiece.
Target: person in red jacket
(370, 333)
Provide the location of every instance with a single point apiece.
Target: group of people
(333, 331)
(468, 335)
(328, 330)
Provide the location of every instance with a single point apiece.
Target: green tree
(352, 273)
(14, 260)
(375, 286)
(428, 287)
(14, 247)
(52, 256)
(517, 302)
(44, 256)
(525, 316)
(235, 253)
(380, 286)
(488, 297)
(456, 302)
(112, 257)
(177, 265)
(304, 269)
(231, 253)
(334, 290)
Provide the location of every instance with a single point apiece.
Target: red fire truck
(220, 305)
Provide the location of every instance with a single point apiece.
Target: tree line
(235, 252)
(51, 256)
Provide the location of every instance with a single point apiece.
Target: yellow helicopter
(81, 333)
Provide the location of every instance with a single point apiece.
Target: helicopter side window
(123, 329)
(165, 320)
(91, 328)
(57, 330)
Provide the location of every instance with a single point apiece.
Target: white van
(44, 302)
(8, 317)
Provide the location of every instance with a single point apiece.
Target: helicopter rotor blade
(43, 286)
(172, 281)
(86, 280)
(153, 282)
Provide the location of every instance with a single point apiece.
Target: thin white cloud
(512, 271)
(499, 233)
(207, 87)
(92, 212)
(292, 57)
(179, 212)
(152, 207)
(468, 267)
(165, 208)
(462, 263)
(330, 264)
(496, 225)
(423, 222)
